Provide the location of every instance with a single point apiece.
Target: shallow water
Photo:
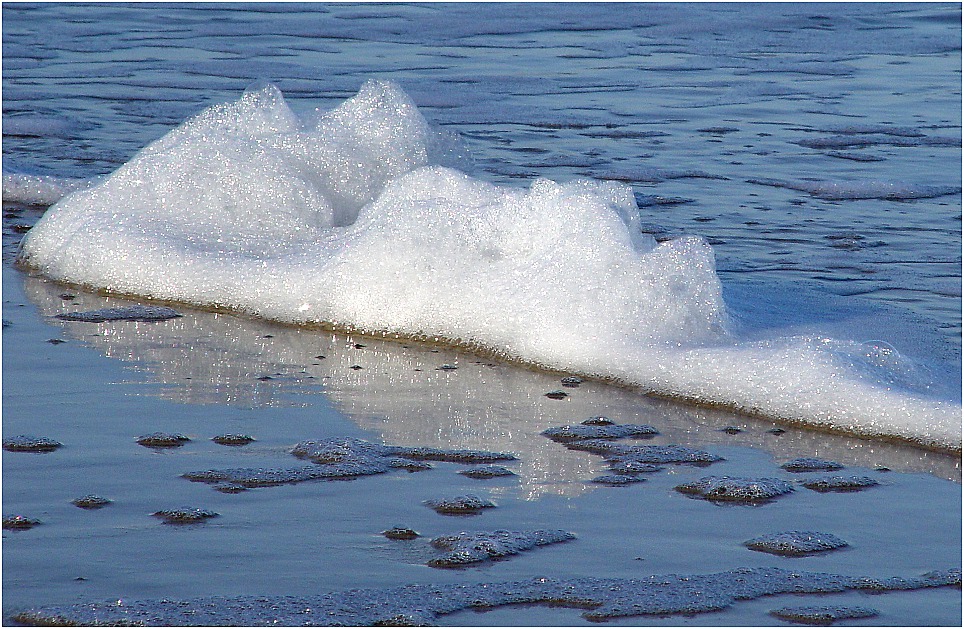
(756, 137)
(201, 375)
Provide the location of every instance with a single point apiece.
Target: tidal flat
(204, 375)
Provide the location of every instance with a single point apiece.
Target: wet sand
(205, 374)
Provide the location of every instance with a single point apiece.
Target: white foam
(38, 189)
(348, 218)
(853, 190)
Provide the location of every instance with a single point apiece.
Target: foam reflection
(407, 393)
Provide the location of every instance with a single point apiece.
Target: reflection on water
(399, 391)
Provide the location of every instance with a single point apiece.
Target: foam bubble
(355, 218)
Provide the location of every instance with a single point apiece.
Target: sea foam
(38, 189)
(362, 218)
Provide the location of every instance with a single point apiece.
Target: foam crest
(353, 218)
(550, 274)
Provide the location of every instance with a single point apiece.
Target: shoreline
(432, 341)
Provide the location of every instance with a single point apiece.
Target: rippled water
(687, 104)
(817, 147)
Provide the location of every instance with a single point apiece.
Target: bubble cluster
(734, 489)
(811, 465)
(232, 440)
(29, 443)
(400, 533)
(795, 543)
(234, 479)
(90, 501)
(654, 455)
(342, 458)
(460, 505)
(162, 440)
(336, 450)
(617, 480)
(125, 313)
(471, 548)
(822, 614)
(19, 522)
(595, 431)
(839, 483)
(185, 515)
(487, 471)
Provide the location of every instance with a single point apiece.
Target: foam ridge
(362, 218)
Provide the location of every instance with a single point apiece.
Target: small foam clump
(339, 458)
(29, 443)
(617, 480)
(472, 548)
(839, 483)
(186, 515)
(611, 431)
(632, 467)
(423, 604)
(733, 489)
(487, 471)
(19, 522)
(336, 450)
(811, 465)
(422, 453)
(232, 440)
(401, 533)
(409, 465)
(795, 543)
(653, 455)
(163, 440)
(126, 313)
(822, 614)
(460, 505)
(91, 501)
(235, 479)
